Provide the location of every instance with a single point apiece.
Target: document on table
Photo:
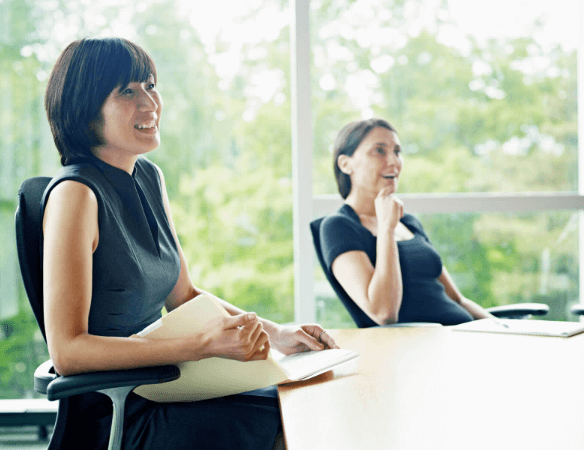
(218, 377)
(528, 327)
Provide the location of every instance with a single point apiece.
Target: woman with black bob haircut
(381, 256)
(112, 260)
(79, 86)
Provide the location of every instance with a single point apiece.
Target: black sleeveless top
(135, 266)
(136, 263)
(424, 298)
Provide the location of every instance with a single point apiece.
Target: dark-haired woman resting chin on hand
(112, 260)
(379, 254)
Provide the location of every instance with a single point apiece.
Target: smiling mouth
(145, 126)
(389, 177)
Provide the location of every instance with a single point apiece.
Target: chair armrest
(577, 309)
(519, 310)
(57, 387)
(43, 375)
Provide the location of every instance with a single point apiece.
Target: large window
(483, 96)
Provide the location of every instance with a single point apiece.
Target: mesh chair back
(361, 319)
(28, 242)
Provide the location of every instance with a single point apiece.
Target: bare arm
(285, 339)
(71, 236)
(377, 290)
(475, 310)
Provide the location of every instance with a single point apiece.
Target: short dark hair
(347, 141)
(86, 72)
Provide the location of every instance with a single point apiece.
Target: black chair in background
(577, 309)
(516, 311)
(115, 384)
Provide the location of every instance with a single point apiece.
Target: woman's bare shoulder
(73, 193)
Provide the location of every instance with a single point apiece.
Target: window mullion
(304, 307)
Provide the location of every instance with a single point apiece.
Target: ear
(344, 163)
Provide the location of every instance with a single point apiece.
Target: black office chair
(577, 309)
(516, 311)
(115, 384)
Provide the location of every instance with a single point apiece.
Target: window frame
(308, 206)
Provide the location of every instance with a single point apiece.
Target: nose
(147, 102)
(392, 159)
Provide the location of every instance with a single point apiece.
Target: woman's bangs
(135, 66)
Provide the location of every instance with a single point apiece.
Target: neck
(116, 159)
(362, 202)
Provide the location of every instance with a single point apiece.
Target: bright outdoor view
(484, 101)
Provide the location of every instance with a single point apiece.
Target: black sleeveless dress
(135, 266)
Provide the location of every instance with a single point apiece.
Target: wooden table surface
(435, 388)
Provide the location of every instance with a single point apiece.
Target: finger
(247, 335)
(328, 340)
(266, 351)
(258, 328)
(259, 350)
(260, 343)
(240, 320)
(309, 340)
(262, 353)
(384, 192)
(321, 335)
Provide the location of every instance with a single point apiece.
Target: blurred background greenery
(480, 106)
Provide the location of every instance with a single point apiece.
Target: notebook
(528, 327)
(218, 377)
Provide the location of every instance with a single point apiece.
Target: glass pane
(483, 101)
(224, 77)
(497, 259)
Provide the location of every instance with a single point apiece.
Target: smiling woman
(72, 105)
(108, 230)
(130, 121)
(218, 126)
(380, 255)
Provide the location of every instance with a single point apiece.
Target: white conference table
(435, 388)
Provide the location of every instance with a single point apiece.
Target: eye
(397, 150)
(380, 150)
(151, 86)
(128, 92)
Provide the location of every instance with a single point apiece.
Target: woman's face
(130, 119)
(377, 162)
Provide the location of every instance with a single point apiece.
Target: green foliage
(22, 349)
(226, 152)
(242, 218)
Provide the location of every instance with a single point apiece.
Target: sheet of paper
(528, 327)
(301, 366)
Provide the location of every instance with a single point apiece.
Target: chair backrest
(28, 223)
(361, 319)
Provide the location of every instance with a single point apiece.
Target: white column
(304, 310)
(580, 90)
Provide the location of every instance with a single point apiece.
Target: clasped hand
(241, 337)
